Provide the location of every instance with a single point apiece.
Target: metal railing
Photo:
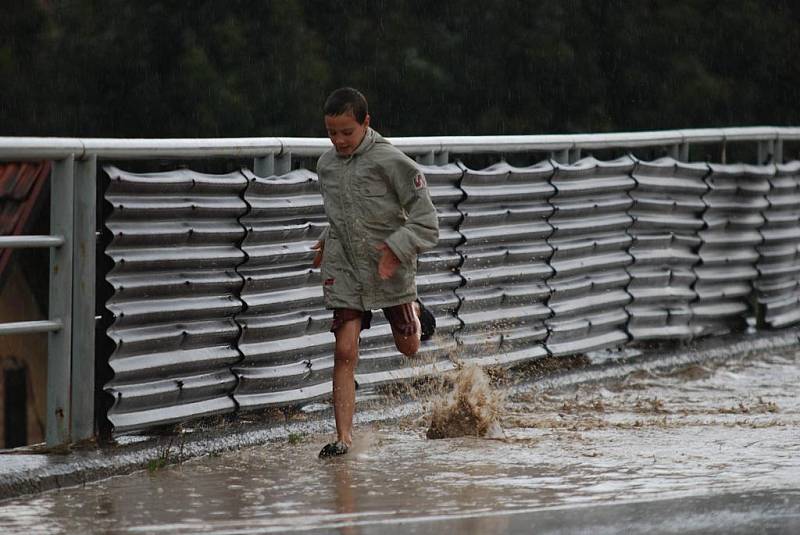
(71, 317)
(677, 141)
(70, 323)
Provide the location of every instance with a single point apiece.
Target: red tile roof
(21, 186)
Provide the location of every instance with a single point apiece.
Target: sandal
(334, 449)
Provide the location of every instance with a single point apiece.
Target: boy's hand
(318, 247)
(388, 263)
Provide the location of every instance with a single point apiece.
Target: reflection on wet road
(706, 449)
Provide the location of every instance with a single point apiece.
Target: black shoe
(334, 449)
(427, 322)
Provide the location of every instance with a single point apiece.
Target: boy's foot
(334, 449)
(427, 322)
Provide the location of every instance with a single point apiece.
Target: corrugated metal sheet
(285, 340)
(667, 216)
(174, 245)
(735, 200)
(590, 243)
(216, 304)
(505, 268)
(778, 283)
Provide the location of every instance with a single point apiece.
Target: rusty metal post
(59, 343)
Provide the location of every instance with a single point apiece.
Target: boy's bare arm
(319, 247)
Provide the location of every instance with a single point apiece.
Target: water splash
(471, 408)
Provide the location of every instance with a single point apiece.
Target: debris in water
(472, 408)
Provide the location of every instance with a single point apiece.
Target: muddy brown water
(696, 433)
(471, 407)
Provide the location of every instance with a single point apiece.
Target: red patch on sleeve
(419, 181)
(329, 282)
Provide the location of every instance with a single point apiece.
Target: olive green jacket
(376, 195)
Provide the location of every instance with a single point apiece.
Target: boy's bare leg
(344, 389)
(408, 345)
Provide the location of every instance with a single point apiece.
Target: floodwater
(699, 449)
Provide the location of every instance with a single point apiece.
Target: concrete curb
(24, 472)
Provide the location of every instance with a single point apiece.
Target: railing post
(264, 166)
(441, 158)
(778, 151)
(83, 299)
(683, 155)
(766, 150)
(270, 164)
(283, 163)
(426, 159)
(59, 344)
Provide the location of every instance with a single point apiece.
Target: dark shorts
(400, 317)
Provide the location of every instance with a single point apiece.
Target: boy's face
(346, 132)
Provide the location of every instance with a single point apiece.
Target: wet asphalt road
(734, 514)
(702, 449)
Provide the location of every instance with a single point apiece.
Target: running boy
(380, 218)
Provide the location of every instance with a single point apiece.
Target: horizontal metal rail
(28, 327)
(33, 148)
(19, 242)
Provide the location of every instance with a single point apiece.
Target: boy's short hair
(347, 99)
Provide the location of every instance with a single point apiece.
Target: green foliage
(154, 465)
(242, 68)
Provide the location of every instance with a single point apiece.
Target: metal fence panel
(175, 250)
(590, 243)
(667, 216)
(505, 268)
(728, 251)
(215, 298)
(778, 282)
(614, 264)
(285, 341)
